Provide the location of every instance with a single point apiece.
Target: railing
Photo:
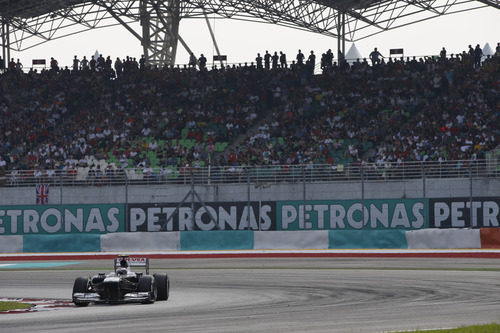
(271, 174)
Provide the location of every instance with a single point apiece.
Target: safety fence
(108, 174)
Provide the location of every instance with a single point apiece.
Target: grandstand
(156, 124)
(152, 121)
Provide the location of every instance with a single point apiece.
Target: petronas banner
(57, 219)
(406, 214)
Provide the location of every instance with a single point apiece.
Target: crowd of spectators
(394, 110)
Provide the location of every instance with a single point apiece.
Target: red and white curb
(38, 304)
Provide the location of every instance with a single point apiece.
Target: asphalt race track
(274, 295)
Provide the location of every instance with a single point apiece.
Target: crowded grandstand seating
(154, 124)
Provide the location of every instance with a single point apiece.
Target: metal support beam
(5, 32)
(492, 3)
(160, 30)
(119, 19)
(340, 36)
(213, 38)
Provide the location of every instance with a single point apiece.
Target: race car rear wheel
(80, 286)
(163, 286)
(147, 284)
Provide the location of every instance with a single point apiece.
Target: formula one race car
(122, 285)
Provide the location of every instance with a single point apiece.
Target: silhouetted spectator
(300, 58)
(375, 56)
(275, 59)
(478, 54)
(442, 54)
(267, 60)
(84, 64)
(54, 66)
(283, 60)
(118, 67)
(76, 64)
(192, 60)
(258, 61)
(142, 63)
(202, 62)
(93, 64)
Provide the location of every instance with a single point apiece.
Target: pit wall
(484, 238)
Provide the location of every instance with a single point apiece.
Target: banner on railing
(42, 194)
(482, 212)
(227, 216)
(406, 214)
(60, 219)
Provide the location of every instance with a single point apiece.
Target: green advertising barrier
(58, 219)
(62, 243)
(216, 240)
(367, 239)
(380, 214)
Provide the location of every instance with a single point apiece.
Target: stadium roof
(32, 22)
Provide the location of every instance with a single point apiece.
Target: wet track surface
(274, 295)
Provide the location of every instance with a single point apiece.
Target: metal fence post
(470, 194)
(248, 197)
(61, 198)
(362, 172)
(304, 192)
(192, 199)
(126, 200)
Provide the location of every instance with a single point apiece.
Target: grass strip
(7, 305)
(488, 328)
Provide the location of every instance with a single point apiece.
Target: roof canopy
(32, 22)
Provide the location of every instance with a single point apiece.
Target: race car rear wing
(132, 262)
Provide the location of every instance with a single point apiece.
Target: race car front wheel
(80, 286)
(163, 285)
(147, 284)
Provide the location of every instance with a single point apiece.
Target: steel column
(160, 30)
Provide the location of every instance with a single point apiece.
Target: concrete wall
(433, 188)
(253, 240)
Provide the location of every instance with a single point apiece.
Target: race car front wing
(95, 297)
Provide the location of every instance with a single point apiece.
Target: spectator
(258, 61)
(93, 64)
(283, 60)
(142, 63)
(12, 65)
(19, 66)
(275, 59)
(375, 57)
(100, 63)
(192, 60)
(300, 58)
(202, 62)
(118, 67)
(267, 60)
(84, 64)
(442, 54)
(76, 64)
(478, 55)
(54, 65)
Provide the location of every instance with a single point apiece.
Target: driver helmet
(121, 271)
(123, 263)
